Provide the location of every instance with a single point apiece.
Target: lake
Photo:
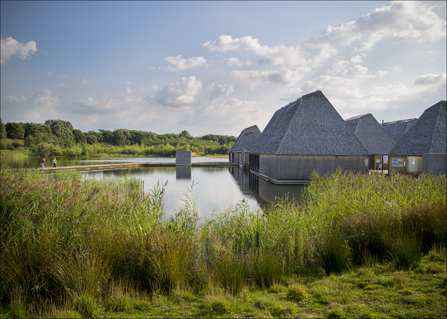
(34, 161)
(215, 189)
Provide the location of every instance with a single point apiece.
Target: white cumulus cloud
(253, 78)
(431, 79)
(221, 90)
(37, 105)
(410, 21)
(11, 47)
(180, 93)
(177, 63)
(227, 43)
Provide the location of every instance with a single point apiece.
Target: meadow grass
(104, 247)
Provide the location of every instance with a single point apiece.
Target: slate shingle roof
(373, 137)
(308, 126)
(246, 139)
(397, 129)
(427, 135)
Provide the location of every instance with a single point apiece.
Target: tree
(107, 136)
(66, 124)
(2, 130)
(79, 136)
(15, 130)
(61, 128)
(97, 135)
(36, 128)
(91, 139)
(119, 137)
(184, 133)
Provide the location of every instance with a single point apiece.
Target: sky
(216, 67)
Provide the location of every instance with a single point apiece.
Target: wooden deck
(107, 167)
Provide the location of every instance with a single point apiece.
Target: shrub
(168, 257)
(87, 306)
(230, 272)
(333, 252)
(217, 306)
(265, 269)
(296, 292)
(17, 309)
(118, 303)
(276, 288)
(405, 250)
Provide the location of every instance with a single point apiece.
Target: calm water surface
(214, 189)
(34, 161)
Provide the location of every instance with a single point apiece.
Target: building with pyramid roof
(305, 136)
(425, 141)
(374, 138)
(243, 144)
(397, 129)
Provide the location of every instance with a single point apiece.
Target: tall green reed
(54, 225)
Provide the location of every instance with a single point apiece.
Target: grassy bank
(358, 246)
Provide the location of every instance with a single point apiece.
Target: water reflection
(213, 189)
(183, 172)
(265, 192)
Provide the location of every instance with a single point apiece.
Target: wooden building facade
(240, 151)
(305, 136)
(374, 138)
(426, 138)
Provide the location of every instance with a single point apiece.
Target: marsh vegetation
(357, 245)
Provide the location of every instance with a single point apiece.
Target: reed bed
(68, 241)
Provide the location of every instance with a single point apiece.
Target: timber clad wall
(300, 167)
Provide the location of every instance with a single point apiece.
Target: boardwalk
(107, 167)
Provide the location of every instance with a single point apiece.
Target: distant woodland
(58, 137)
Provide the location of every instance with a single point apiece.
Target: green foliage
(230, 272)
(67, 240)
(59, 133)
(217, 306)
(276, 288)
(296, 292)
(15, 130)
(79, 136)
(333, 251)
(3, 133)
(118, 303)
(61, 129)
(405, 250)
(88, 306)
(265, 269)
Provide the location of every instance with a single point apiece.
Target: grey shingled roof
(246, 139)
(373, 137)
(308, 126)
(397, 129)
(427, 135)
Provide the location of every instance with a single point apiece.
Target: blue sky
(216, 67)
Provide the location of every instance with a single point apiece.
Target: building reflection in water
(265, 192)
(183, 172)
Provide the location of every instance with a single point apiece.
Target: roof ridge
(288, 126)
(438, 118)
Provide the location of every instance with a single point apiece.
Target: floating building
(305, 136)
(423, 147)
(239, 153)
(374, 138)
(397, 129)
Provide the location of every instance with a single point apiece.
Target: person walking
(54, 161)
(43, 162)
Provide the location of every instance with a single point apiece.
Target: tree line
(59, 137)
